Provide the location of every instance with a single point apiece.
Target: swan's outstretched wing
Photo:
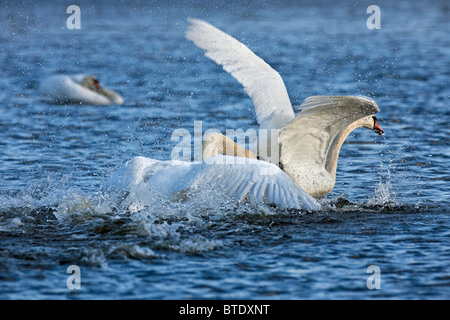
(253, 180)
(244, 180)
(262, 83)
(308, 144)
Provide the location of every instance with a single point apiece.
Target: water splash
(144, 224)
(383, 194)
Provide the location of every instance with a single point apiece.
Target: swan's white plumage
(319, 122)
(310, 144)
(253, 180)
(68, 88)
(309, 141)
(263, 84)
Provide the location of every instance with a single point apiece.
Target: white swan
(78, 88)
(310, 140)
(309, 143)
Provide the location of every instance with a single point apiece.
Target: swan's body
(79, 88)
(310, 140)
(228, 171)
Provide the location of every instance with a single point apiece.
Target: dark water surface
(389, 207)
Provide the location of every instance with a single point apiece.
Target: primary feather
(262, 83)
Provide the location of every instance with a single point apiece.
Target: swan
(309, 141)
(78, 88)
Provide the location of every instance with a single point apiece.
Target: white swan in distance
(309, 141)
(78, 88)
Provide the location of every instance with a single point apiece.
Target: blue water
(389, 207)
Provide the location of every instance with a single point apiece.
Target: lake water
(389, 207)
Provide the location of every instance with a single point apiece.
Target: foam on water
(98, 230)
(146, 212)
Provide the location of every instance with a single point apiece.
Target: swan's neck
(336, 144)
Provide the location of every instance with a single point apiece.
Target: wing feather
(262, 83)
(257, 181)
(307, 141)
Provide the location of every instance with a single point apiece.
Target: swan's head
(92, 83)
(376, 128)
(371, 122)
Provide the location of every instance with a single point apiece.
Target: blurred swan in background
(78, 88)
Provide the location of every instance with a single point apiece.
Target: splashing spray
(384, 195)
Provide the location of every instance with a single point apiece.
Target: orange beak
(97, 85)
(376, 127)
